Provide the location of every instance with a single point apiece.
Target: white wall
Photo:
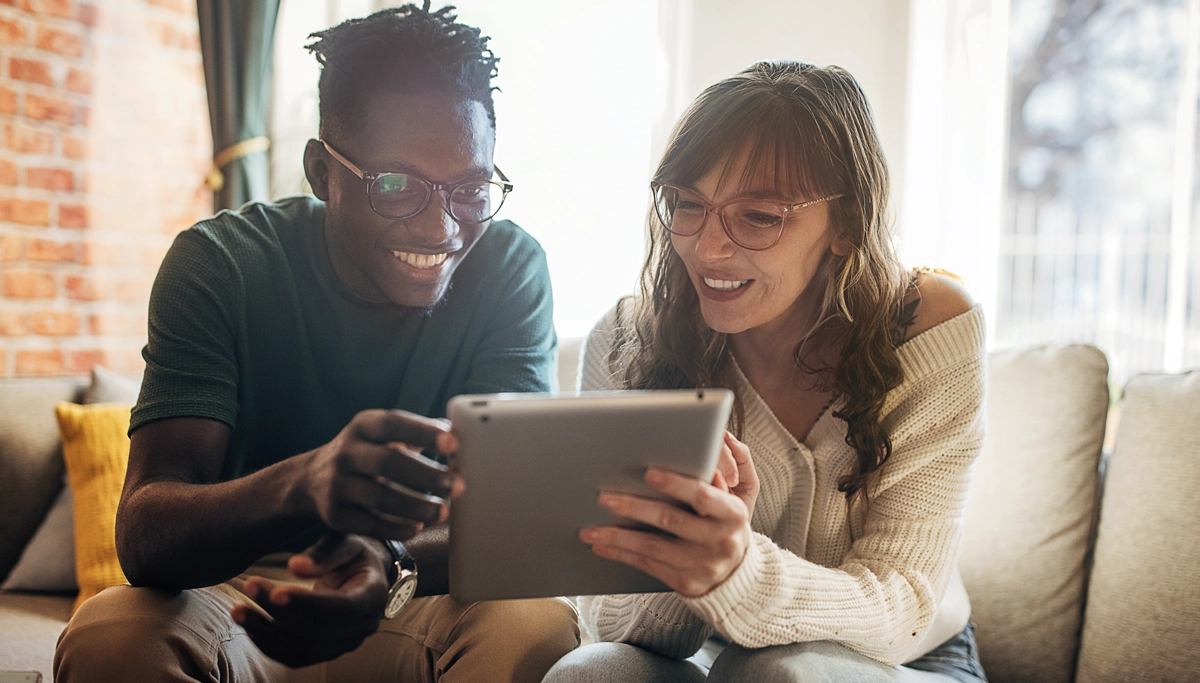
(869, 38)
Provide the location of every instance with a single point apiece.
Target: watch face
(400, 596)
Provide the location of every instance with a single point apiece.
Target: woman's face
(744, 290)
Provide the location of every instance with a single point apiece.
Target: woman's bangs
(785, 153)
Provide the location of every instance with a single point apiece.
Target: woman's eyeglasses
(754, 224)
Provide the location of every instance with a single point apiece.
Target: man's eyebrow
(477, 173)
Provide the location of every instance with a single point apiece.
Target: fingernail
(655, 477)
(588, 535)
(608, 500)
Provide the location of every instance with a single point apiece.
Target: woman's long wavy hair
(810, 131)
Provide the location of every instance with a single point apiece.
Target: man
(283, 339)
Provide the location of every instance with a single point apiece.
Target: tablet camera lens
(700, 394)
(483, 418)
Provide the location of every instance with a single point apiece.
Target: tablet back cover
(534, 466)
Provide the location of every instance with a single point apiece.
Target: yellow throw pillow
(96, 451)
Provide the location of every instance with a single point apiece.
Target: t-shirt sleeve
(191, 349)
(516, 353)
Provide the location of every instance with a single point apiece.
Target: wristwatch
(405, 583)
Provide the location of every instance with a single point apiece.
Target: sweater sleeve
(884, 595)
(659, 622)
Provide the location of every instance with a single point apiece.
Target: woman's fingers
(706, 500)
(727, 465)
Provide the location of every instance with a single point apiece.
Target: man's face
(409, 261)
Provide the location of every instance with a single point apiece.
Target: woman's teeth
(724, 285)
(420, 260)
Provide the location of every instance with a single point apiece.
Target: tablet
(534, 465)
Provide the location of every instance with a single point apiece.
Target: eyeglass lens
(398, 195)
(750, 223)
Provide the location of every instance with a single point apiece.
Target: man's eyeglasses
(404, 195)
(754, 224)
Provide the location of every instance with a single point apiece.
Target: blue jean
(955, 661)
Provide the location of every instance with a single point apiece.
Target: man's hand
(371, 479)
(334, 617)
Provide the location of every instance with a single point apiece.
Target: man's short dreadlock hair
(404, 48)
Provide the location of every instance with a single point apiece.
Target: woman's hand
(707, 542)
(735, 472)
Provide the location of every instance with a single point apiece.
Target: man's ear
(316, 169)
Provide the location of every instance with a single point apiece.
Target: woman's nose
(712, 243)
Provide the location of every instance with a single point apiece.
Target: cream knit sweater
(885, 586)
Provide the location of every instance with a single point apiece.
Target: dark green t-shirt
(249, 325)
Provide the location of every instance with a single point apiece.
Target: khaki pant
(145, 634)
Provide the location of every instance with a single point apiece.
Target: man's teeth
(724, 285)
(420, 260)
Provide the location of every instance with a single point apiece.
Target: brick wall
(104, 145)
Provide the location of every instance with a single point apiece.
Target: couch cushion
(96, 450)
(29, 629)
(1143, 611)
(31, 469)
(1031, 510)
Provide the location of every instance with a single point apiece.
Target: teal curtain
(236, 39)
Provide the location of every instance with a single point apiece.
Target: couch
(1083, 563)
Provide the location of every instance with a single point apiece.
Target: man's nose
(434, 225)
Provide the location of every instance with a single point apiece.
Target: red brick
(117, 325)
(58, 8)
(152, 257)
(13, 32)
(65, 43)
(8, 173)
(88, 15)
(29, 140)
(134, 289)
(12, 247)
(8, 100)
(32, 70)
(74, 148)
(25, 212)
(42, 108)
(50, 251)
(56, 179)
(54, 323)
(85, 289)
(29, 284)
(126, 361)
(13, 324)
(30, 363)
(72, 216)
(101, 254)
(81, 362)
(79, 81)
(180, 6)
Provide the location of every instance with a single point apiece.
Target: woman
(825, 547)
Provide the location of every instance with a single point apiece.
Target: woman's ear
(840, 246)
(316, 169)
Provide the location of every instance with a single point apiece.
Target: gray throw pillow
(48, 561)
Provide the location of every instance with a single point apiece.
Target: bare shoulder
(942, 297)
